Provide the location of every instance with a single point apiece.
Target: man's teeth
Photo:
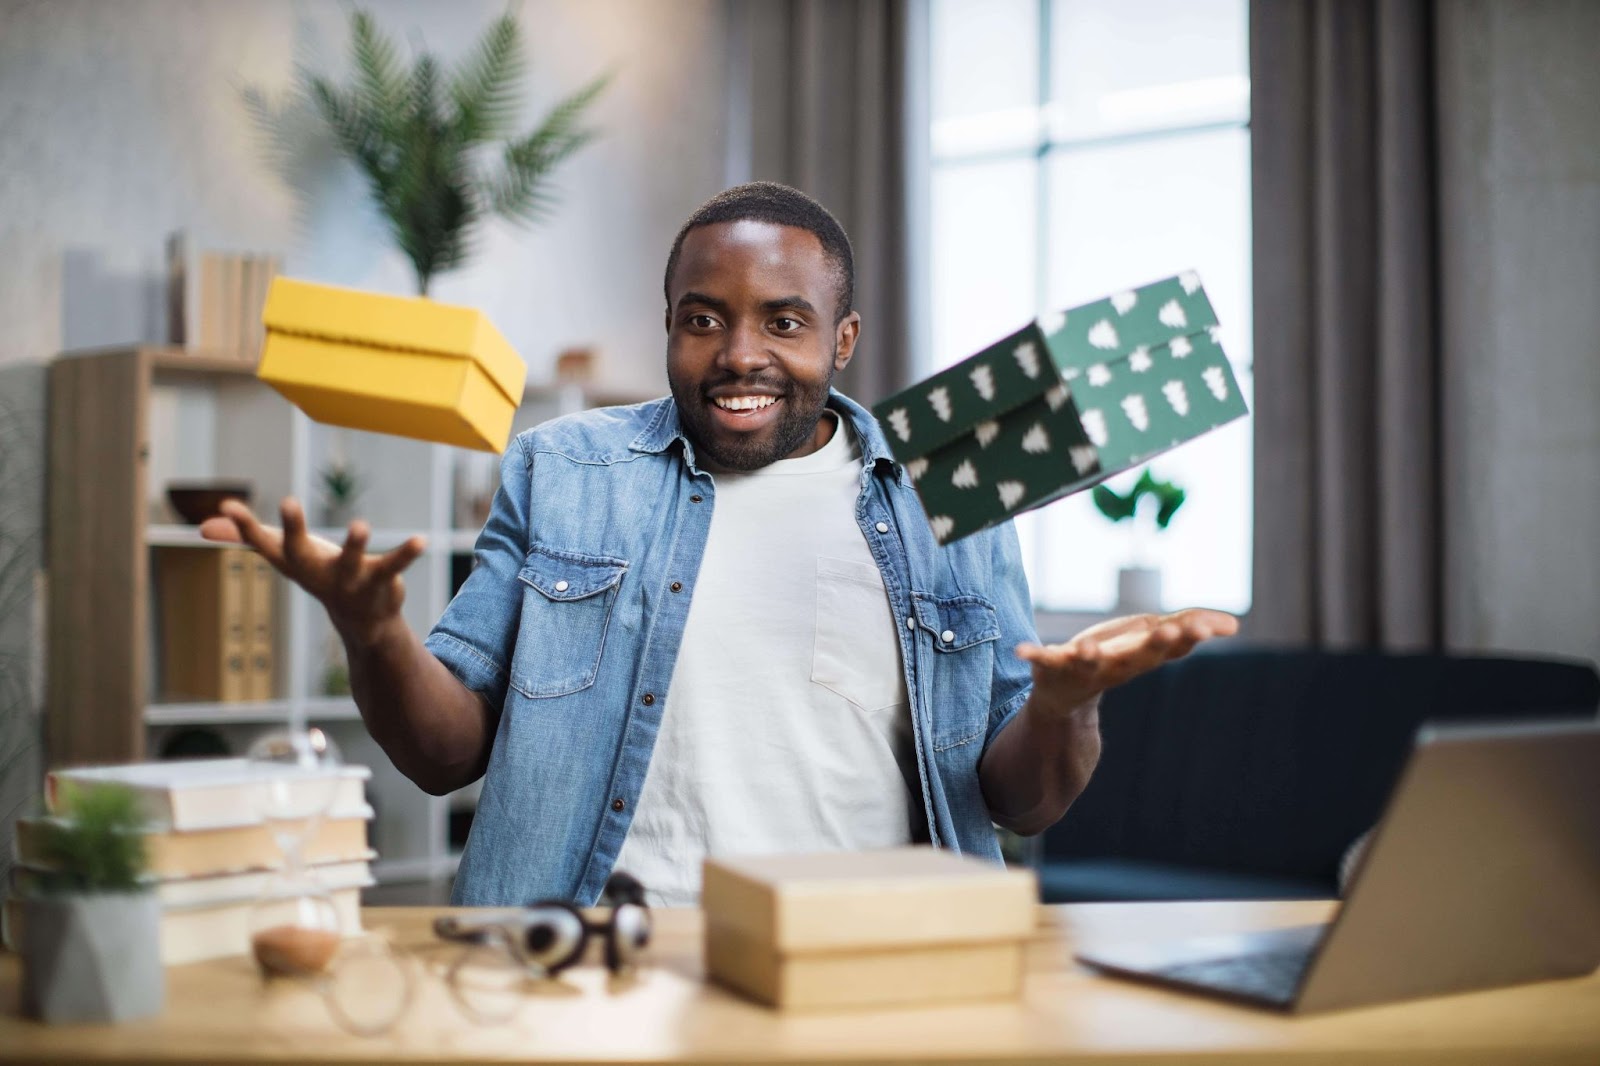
(744, 403)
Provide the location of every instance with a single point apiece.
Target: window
(1080, 147)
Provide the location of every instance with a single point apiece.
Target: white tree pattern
(1036, 441)
(966, 475)
(1171, 314)
(983, 380)
(1103, 334)
(986, 432)
(942, 526)
(1099, 374)
(916, 468)
(1053, 323)
(1190, 281)
(1133, 406)
(1027, 356)
(1055, 396)
(1083, 458)
(1177, 396)
(940, 399)
(1215, 381)
(1011, 493)
(1124, 301)
(1180, 347)
(901, 421)
(1094, 425)
(1139, 360)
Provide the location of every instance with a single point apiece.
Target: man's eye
(786, 325)
(702, 321)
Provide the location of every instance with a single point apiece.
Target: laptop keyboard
(1272, 976)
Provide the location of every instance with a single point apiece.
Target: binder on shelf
(261, 625)
(204, 646)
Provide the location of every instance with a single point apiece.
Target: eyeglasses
(540, 941)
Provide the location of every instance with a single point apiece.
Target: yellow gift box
(391, 364)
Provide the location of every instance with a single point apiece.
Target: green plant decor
(426, 138)
(97, 845)
(341, 485)
(1125, 508)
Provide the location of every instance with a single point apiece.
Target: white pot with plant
(91, 924)
(1139, 582)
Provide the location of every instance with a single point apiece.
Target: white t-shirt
(786, 726)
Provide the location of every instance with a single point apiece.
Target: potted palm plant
(1139, 583)
(91, 929)
(439, 148)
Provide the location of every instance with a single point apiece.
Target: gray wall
(1520, 96)
(122, 121)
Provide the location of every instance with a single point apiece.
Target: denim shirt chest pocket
(566, 610)
(963, 631)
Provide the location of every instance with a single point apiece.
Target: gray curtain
(817, 100)
(1348, 530)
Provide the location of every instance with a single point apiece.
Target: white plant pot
(94, 957)
(1138, 590)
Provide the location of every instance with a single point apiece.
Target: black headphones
(551, 935)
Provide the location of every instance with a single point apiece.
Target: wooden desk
(219, 1012)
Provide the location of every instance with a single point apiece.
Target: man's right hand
(362, 592)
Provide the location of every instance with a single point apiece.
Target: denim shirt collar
(666, 427)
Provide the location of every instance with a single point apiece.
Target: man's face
(751, 341)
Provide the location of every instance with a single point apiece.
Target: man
(718, 622)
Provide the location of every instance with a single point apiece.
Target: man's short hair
(768, 201)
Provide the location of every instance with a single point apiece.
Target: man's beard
(802, 410)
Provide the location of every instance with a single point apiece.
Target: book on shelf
(194, 934)
(194, 794)
(171, 854)
(218, 624)
(211, 890)
(215, 299)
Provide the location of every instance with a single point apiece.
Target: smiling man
(718, 623)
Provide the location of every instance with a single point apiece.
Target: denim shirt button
(911, 623)
(948, 637)
(561, 586)
(883, 527)
(677, 586)
(696, 498)
(649, 698)
(617, 804)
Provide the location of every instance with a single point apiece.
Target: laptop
(1484, 871)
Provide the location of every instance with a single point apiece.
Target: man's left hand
(1066, 676)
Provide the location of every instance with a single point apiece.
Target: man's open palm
(361, 591)
(1106, 655)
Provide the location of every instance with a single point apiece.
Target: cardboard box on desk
(873, 928)
(391, 364)
(1063, 404)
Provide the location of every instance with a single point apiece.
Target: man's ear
(844, 339)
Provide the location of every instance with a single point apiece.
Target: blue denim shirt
(569, 624)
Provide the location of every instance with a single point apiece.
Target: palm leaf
(485, 90)
(520, 192)
(380, 81)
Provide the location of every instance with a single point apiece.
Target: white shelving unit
(204, 419)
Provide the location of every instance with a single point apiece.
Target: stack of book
(217, 624)
(215, 299)
(213, 852)
(901, 926)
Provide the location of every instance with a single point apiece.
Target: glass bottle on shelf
(295, 928)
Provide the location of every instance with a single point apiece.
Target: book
(212, 890)
(212, 298)
(219, 793)
(171, 854)
(194, 934)
(202, 594)
(1062, 404)
(260, 628)
(943, 973)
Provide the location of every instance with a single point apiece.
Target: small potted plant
(91, 929)
(341, 487)
(1139, 584)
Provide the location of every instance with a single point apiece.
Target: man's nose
(745, 351)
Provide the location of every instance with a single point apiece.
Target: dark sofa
(1245, 774)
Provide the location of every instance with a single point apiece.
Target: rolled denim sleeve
(1013, 603)
(478, 631)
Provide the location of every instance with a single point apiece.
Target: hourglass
(294, 925)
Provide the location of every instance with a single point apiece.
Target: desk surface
(219, 1012)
